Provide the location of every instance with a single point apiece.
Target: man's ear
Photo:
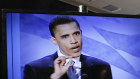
(53, 40)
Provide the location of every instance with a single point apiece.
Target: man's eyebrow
(64, 35)
(77, 31)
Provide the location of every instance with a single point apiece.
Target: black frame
(3, 39)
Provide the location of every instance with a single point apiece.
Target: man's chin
(76, 55)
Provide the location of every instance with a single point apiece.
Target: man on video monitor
(67, 62)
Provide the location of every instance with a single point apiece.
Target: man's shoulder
(93, 60)
(44, 61)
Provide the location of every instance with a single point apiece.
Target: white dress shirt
(77, 63)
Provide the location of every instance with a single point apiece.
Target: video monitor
(109, 37)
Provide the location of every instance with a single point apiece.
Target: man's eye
(65, 36)
(77, 33)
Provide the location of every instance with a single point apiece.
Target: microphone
(84, 76)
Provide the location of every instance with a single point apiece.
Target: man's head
(67, 35)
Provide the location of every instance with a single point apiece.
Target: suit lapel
(83, 64)
(51, 59)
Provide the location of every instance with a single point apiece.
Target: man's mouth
(76, 48)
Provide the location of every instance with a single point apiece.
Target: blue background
(112, 39)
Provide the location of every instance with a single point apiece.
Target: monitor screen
(112, 38)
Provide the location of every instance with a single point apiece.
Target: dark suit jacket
(92, 68)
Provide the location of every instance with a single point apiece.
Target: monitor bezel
(3, 40)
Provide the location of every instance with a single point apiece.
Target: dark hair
(61, 20)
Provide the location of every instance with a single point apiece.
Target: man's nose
(73, 40)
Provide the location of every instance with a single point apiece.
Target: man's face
(68, 38)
